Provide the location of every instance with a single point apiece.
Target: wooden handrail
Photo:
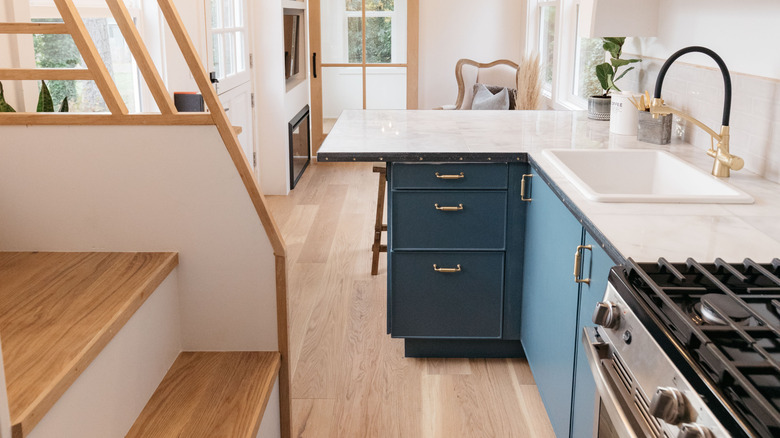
(33, 28)
(49, 74)
(223, 123)
(142, 57)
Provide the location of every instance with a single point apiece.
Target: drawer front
(430, 304)
(449, 176)
(463, 220)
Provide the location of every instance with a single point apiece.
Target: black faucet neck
(723, 69)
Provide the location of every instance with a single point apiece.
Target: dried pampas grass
(529, 83)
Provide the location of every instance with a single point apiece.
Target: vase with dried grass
(529, 83)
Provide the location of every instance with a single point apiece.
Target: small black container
(187, 102)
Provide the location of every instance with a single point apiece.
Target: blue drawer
(430, 304)
(418, 224)
(449, 176)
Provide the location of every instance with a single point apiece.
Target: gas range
(717, 325)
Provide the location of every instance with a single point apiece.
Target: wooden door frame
(315, 46)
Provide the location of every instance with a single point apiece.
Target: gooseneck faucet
(724, 160)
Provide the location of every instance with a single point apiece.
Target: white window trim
(561, 96)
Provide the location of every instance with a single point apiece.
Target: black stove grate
(741, 355)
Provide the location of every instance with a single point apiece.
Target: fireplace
(300, 145)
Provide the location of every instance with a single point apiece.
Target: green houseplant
(607, 74)
(45, 103)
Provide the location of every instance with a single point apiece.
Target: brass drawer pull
(458, 208)
(522, 188)
(447, 270)
(461, 176)
(578, 262)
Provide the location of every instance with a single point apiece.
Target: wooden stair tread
(210, 394)
(58, 311)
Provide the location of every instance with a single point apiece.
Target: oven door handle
(596, 351)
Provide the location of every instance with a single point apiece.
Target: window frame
(237, 77)
(561, 96)
(369, 14)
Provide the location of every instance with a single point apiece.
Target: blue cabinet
(596, 266)
(549, 309)
(447, 294)
(556, 307)
(455, 243)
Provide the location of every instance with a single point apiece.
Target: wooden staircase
(210, 394)
(59, 311)
(68, 319)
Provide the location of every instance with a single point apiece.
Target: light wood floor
(350, 379)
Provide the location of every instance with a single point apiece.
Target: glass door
(364, 58)
(228, 54)
(229, 59)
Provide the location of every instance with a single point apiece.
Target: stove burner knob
(694, 431)
(607, 314)
(669, 404)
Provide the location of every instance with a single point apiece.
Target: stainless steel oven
(640, 391)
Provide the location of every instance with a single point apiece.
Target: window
(568, 61)
(546, 47)
(379, 31)
(59, 51)
(228, 36)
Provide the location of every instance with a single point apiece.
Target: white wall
(147, 188)
(177, 73)
(16, 51)
(743, 33)
(271, 127)
(105, 400)
(484, 31)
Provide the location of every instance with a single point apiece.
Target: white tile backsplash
(755, 109)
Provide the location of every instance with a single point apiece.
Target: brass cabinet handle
(578, 262)
(450, 176)
(522, 188)
(458, 208)
(447, 270)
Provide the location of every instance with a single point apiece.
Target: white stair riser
(270, 426)
(108, 396)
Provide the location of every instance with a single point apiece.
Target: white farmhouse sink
(642, 176)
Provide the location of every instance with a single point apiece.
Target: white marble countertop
(643, 232)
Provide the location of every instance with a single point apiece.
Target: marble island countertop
(641, 231)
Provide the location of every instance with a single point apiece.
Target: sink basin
(642, 176)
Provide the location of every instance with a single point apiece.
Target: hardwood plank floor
(349, 378)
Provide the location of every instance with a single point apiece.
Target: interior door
(364, 56)
(238, 105)
(229, 59)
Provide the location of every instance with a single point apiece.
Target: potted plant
(45, 103)
(607, 74)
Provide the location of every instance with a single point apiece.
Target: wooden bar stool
(377, 247)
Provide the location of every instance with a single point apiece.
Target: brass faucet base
(724, 161)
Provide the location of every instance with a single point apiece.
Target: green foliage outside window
(379, 40)
(371, 5)
(591, 54)
(57, 51)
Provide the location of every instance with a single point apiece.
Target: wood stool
(377, 247)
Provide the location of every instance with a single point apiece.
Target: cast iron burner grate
(727, 318)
